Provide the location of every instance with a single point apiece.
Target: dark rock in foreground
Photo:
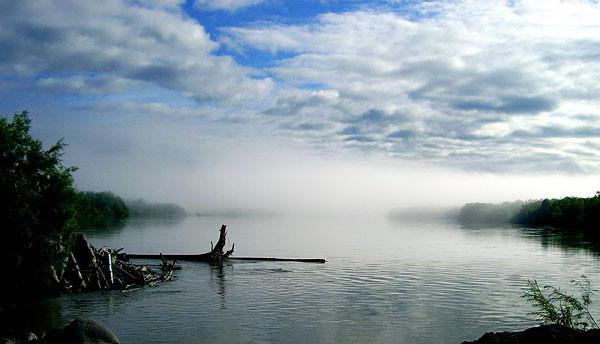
(83, 331)
(79, 331)
(547, 334)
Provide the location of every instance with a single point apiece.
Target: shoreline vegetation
(577, 213)
(562, 323)
(42, 212)
(103, 209)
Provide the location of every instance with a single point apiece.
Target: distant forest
(100, 209)
(568, 212)
(142, 208)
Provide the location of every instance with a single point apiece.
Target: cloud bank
(457, 83)
(495, 88)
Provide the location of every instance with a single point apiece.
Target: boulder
(83, 331)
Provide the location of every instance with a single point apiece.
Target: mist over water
(295, 182)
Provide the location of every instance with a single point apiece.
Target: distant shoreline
(564, 213)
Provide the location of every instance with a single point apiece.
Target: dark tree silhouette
(36, 207)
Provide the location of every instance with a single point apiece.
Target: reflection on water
(217, 275)
(139, 224)
(583, 241)
(384, 281)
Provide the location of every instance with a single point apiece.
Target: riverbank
(547, 334)
(567, 213)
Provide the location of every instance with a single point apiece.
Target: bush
(36, 209)
(557, 307)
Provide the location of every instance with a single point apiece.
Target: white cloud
(486, 85)
(227, 5)
(456, 70)
(124, 40)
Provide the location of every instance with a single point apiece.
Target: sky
(312, 104)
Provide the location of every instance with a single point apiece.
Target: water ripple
(394, 289)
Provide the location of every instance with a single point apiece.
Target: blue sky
(206, 88)
(283, 13)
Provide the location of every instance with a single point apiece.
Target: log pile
(91, 269)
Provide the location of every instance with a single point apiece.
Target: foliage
(557, 307)
(488, 214)
(566, 212)
(36, 210)
(99, 209)
(142, 208)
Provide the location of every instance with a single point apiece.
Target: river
(384, 281)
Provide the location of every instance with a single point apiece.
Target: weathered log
(102, 282)
(125, 274)
(217, 256)
(268, 259)
(73, 276)
(91, 269)
(109, 269)
(221, 243)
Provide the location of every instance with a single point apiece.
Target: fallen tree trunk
(217, 256)
(268, 259)
(205, 258)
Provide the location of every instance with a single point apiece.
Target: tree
(36, 207)
(99, 209)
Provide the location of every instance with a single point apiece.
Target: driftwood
(217, 256)
(90, 269)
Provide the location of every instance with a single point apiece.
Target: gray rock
(30, 337)
(84, 331)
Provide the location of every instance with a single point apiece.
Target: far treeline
(568, 212)
(99, 209)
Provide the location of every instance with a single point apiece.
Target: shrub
(557, 307)
(36, 207)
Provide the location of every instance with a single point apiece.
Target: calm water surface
(384, 281)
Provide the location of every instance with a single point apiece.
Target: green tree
(99, 209)
(36, 209)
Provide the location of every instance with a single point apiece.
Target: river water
(384, 281)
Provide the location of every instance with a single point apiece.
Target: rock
(547, 334)
(83, 331)
(31, 337)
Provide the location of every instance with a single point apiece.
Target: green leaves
(36, 204)
(557, 307)
(99, 209)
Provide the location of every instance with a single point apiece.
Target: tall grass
(554, 306)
